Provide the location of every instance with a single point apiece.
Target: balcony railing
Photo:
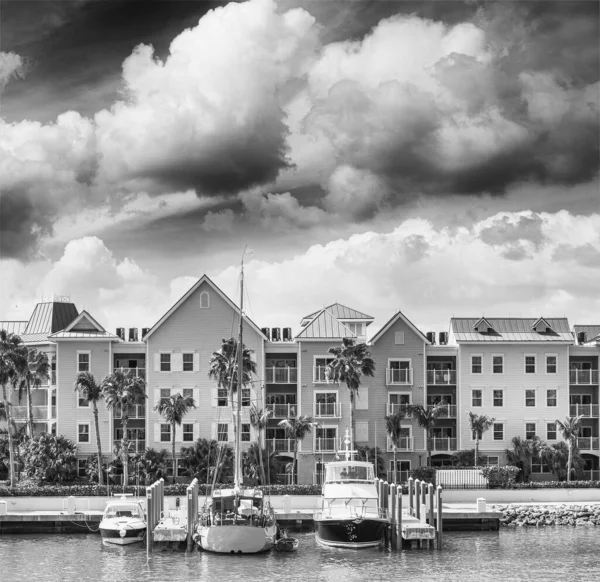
(19, 413)
(404, 444)
(441, 377)
(325, 445)
(402, 476)
(283, 410)
(395, 376)
(280, 445)
(450, 410)
(588, 443)
(135, 445)
(327, 409)
(134, 372)
(138, 411)
(593, 475)
(281, 375)
(322, 375)
(442, 444)
(583, 376)
(395, 408)
(590, 410)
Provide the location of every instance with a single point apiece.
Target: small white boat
(123, 522)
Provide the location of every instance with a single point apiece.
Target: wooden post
(386, 502)
(149, 508)
(392, 514)
(431, 515)
(191, 512)
(410, 495)
(423, 492)
(162, 494)
(439, 524)
(417, 513)
(399, 519)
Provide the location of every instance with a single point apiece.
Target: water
(552, 553)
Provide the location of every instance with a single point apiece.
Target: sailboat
(237, 520)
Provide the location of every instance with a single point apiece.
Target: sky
(440, 158)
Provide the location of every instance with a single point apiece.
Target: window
(82, 402)
(551, 431)
(326, 439)
(550, 364)
(476, 398)
(204, 300)
(357, 328)
(551, 397)
(529, 430)
(530, 364)
(83, 361)
(165, 433)
(476, 364)
(188, 433)
(325, 404)
(222, 432)
(188, 393)
(83, 435)
(498, 431)
(165, 362)
(188, 362)
(492, 460)
(81, 467)
(245, 434)
(529, 397)
(399, 338)
(165, 394)
(222, 397)
(497, 364)
(538, 467)
(322, 373)
(245, 396)
(498, 397)
(399, 371)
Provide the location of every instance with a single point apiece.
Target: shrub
(49, 458)
(500, 476)
(556, 485)
(424, 474)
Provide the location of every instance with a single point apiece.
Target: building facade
(524, 373)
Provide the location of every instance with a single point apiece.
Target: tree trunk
(124, 455)
(11, 453)
(260, 458)
(352, 409)
(29, 411)
(428, 448)
(294, 464)
(98, 444)
(173, 449)
(476, 449)
(570, 461)
(395, 467)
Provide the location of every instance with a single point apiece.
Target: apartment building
(525, 373)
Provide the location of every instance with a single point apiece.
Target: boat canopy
(124, 510)
(350, 491)
(344, 471)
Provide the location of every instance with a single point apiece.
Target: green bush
(556, 485)
(51, 459)
(424, 474)
(500, 476)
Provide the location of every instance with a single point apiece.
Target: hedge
(555, 485)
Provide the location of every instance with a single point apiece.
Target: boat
(286, 543)
(350, 515)
(123, 522)
(237, 520)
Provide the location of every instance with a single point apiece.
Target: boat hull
(131, 535)
(350, 533)
(237, 539)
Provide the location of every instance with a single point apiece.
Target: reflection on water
(560, 553)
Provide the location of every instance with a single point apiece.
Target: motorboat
(286, 543)
(350, 515)
(123, 522)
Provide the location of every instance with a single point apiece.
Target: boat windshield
(349, 472)
(123, 510)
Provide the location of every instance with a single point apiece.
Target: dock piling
(410, 495)
(399, 519)
(439, 524)
(192, 512)
(417, 506)
(392, 514)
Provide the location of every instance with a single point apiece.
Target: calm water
(560, 553)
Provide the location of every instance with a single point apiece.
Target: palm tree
(351, 361)
(297, 429)
(393, 428)
(569, 430)
(426, 417)
(480, 423)
(173, 410)
(13, 361)
(523, 453)
(92, 393)
(123, 391)
(38, 369)
(259, 419)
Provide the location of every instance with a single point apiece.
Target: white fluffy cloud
(11, 65)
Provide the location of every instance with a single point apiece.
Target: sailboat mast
(240, 383)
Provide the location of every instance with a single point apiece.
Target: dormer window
(541, 326)
(204, 300)
(483, 326)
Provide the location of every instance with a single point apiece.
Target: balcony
(135, 446)
(588, 410)
(322, 375)
(450, 410)
(325, 445)
(404, 444)
(588, 443)
(327, 409)
(280, 445)
(395, 377)
(442, 444)
(283, 410)
(138, 411)
(281, 375)
(395, 408)
(19, 413)
(134, 372)
(441, 377)
(583, 376)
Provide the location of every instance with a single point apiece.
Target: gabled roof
(393, 320)
(16, 327)
(543, 322)
(191, 290)
(592, 331)
(84, 322)
(482, 320)
(49, 317)
(512, 329)
(325, 325)
(339, 311)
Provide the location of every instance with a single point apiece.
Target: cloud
(11, 65)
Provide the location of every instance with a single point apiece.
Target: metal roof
(592, 331)
(325, 325)
(511, 329)
(340, 311)
(50, 317)
(83, 334)
(17, 327)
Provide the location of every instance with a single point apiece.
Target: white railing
(395, 408)
(327, 409)
(441, 377)
(283, 410)
(590, 410)
(583, 376)
(322, 375)
(442, 444)
(461, 479)
(402, 476)
(137, 445)
(134, 372)
(19, 413)
(588, 443)
(325, 445)
(404, 444)
(281, 375)
(280, 445)
(450, 410)
(396, 376)
(351, 511)
(137, 412)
